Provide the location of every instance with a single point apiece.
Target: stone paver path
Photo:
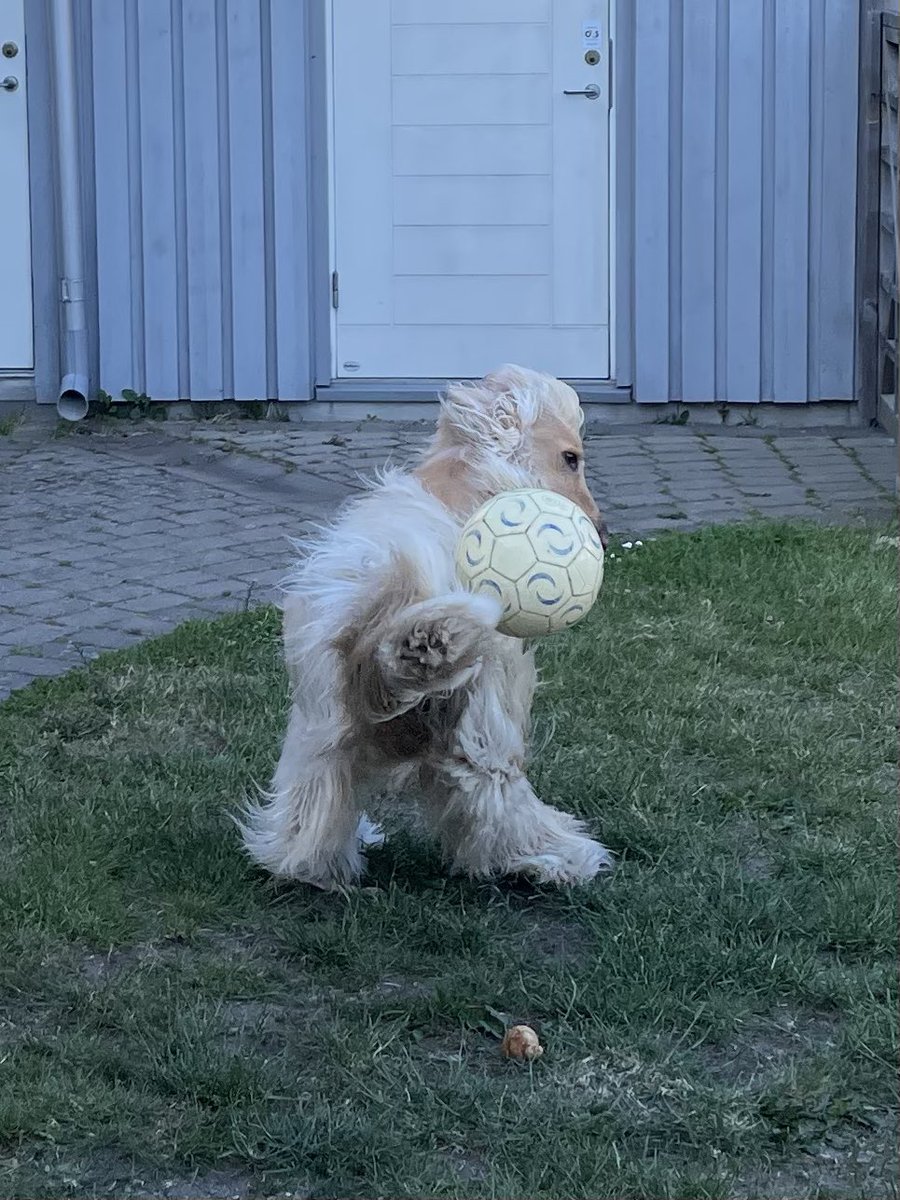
(114, 534)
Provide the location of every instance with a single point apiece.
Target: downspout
(72, 402)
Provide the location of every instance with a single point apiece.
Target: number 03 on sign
(590, 35)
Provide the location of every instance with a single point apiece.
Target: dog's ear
(487, 413)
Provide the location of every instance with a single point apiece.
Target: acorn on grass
(522, 1043)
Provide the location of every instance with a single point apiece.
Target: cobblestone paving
(112, 534)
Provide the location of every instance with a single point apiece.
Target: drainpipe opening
(72, 404)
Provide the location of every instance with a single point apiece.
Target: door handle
(591, 92)
(9, 84)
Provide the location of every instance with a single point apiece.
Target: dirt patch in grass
(849, 1164)
(107, 1174)
(403, 989)
(100, 967)
(560, 941)
(759, 1047)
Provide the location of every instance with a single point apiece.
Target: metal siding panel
(720, 185)
(268, 185)
(114, 251)
(204, 262)
(84, 66)
(651, 190)
(744, 192)
(180, 185)
(767, 249)
(208, 234)
(291, 191)
(248, 291)
(676, 147)
(223, 162)
(158, 196)
(791, 215)
(698, 202)
(837, 200)
(816, 166)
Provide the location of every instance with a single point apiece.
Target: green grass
(10, 423)
(718, 1017)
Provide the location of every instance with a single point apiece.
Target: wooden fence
(878, 250)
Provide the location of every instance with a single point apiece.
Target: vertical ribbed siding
(739, 206)
(201, 178)
(743, 198)
(739, 265)
(675, 189)
(183, 322)
(745, 150)
(651, 200)
(721, 215)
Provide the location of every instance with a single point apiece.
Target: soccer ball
(538, 554)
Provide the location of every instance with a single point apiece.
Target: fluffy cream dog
(399, 678)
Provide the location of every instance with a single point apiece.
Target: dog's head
(515, 428)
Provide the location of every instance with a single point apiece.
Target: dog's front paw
(573, 860)
(436, 647)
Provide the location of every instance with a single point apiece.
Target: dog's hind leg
(479, 801)
(490, 823)
(307, 826)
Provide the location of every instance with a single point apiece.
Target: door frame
(41, 385)
(320, 132)
(42, 381)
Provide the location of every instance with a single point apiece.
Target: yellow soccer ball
(538, 554)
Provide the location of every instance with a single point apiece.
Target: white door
(16, 341)
(471, 195)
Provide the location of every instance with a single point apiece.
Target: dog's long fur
(399, 678)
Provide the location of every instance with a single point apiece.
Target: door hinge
(334, 289)
(609, 62)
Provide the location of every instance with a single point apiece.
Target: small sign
(590, 35)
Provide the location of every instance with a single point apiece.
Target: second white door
(470, 193)
(16, 317)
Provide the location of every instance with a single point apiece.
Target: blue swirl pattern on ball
(589, 533)
(573, 613)
(538, 554)
(540, 577)
(493, 588)
(562, 550)
(475, 555)
(519, 508)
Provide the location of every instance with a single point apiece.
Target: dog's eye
(571, 459)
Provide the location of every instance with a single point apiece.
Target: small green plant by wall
(132, 406)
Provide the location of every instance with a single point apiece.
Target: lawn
(718, 1017)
